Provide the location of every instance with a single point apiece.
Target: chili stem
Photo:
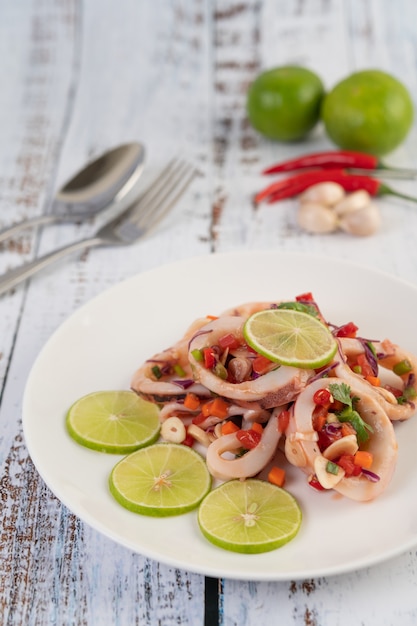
(385, 190)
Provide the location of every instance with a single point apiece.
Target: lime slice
(113, 421)
(161, 480)
(249, 516)
(290, 338)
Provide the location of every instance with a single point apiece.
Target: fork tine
(162, 200)
(159, 182)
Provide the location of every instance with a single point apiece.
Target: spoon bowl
(106, 181)
(107, 178)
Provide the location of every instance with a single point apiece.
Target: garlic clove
(353, 202)
(326, 194)
(363, 222)
(316, 218)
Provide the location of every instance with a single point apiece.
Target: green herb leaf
(299, 306)
(362, 428)
(348, 414)
(342, 393)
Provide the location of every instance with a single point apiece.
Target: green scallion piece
(179, 370)
(197, 354)
(403, 367)
(332, 468)
(156, 371)
(220, 371)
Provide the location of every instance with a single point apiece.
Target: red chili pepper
(283, 420)
(294, 185)
(338, 159)
(229, 341)
(314, 482)
(209, 358)
(347, 330)
(323, 397)
(248, 438)
(334, 159)
(305, 297)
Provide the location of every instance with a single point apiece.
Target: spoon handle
(34, 221)
(15, 276)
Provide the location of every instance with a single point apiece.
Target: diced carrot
(212, 317)
(283, 420)
(347, 429)
(220, 408)
(206, 408)
(257, 427)
(229, 427)
(364, 459)
(373, 380)
(276, 476)
(191, 401)
(217, 407)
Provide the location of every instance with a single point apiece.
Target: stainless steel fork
(134, 223)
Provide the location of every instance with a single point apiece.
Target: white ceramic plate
(101, 345)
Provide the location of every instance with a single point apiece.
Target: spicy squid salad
(254, 415)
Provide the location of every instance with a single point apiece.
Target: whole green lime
(284, 102)
(369, 111)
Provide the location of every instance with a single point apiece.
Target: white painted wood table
(78, 77)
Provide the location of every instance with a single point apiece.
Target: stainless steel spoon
(106, 180)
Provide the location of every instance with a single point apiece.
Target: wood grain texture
(78, 77)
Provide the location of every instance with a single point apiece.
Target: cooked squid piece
(278, 386)
(223, 463)
(396, 369)
(168, 375)
(325, 442)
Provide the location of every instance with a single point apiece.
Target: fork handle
(15, 276)
(34, 221)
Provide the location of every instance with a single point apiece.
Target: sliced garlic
(325, 478)
(345, 445)
(173, 430)
(200, 435)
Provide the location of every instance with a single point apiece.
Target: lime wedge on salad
(161, 480)
(249, 516)
(290, 337)
(118, 422)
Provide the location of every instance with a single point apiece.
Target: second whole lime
(283, 103)
(369, 111)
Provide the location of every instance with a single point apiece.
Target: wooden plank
(174, 75)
